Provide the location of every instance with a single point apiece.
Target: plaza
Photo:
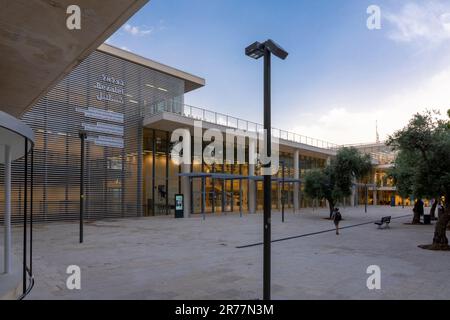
(150, 176)
(165, 258)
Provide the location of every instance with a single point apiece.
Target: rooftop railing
(221, 119)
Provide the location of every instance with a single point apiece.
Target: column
(251, 173)
(375, 200)
(296, 176)
(7, 242)
(186, 189)
(375, 196)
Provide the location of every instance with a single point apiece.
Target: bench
(384, 220)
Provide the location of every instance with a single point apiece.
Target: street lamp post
(83, 135)
(256, 51)
(282, 191)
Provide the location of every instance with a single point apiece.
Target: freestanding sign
(179, 206)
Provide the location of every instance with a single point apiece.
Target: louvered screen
(113, 175)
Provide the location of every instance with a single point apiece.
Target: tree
(402, 174)
(425, 142)
(335, 181)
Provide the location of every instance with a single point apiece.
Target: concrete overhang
(167, 121)
(191, 82)
(38, 50)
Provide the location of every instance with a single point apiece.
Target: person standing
(336, 217)
(420, 207)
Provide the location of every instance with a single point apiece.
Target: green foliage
(402, 174)
(315, 184)
(422, 166)
(335, 181)
(448, 123)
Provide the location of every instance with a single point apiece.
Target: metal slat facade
(113, 175)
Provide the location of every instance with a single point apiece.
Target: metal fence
(221, 119)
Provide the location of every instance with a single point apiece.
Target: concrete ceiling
(37, 50)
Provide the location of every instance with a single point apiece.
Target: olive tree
(335, 181)
(425, 143)
(402, 174)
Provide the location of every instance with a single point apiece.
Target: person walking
(336, 217)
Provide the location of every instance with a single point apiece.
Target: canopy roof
(38, 50)
(13, 133)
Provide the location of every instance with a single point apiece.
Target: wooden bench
(383, 221)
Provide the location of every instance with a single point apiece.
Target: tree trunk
(433, 210)
(331, 204)
(416, 217)
(440, 241)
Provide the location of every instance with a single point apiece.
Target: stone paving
(164, 258)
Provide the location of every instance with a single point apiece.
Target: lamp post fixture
(256, 51)
(83, 135)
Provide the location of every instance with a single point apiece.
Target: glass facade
(380, 188)
(128, 167)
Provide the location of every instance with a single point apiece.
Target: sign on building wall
(105, 141)
(109, 89)
(103, 128)
(100, 114)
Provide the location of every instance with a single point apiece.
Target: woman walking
(337, 217)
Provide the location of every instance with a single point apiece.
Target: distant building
(380, 188)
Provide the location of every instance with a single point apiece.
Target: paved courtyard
(164, 258)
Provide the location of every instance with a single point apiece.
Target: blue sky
(340, 77)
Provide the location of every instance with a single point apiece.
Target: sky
(339, 79)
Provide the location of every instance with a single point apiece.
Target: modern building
(38, 49)
(378, 185)
(129, 106)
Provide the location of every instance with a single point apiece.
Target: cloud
(344, 125)
(428, 21)
(136, 30)
(126, 49)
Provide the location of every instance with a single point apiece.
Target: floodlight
(255, 50)
(274, 48)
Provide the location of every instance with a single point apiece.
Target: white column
(186, 189)
(375, 196)
(7, 242)
(296, 176)
(251, 173)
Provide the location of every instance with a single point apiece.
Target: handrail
(232, 122)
